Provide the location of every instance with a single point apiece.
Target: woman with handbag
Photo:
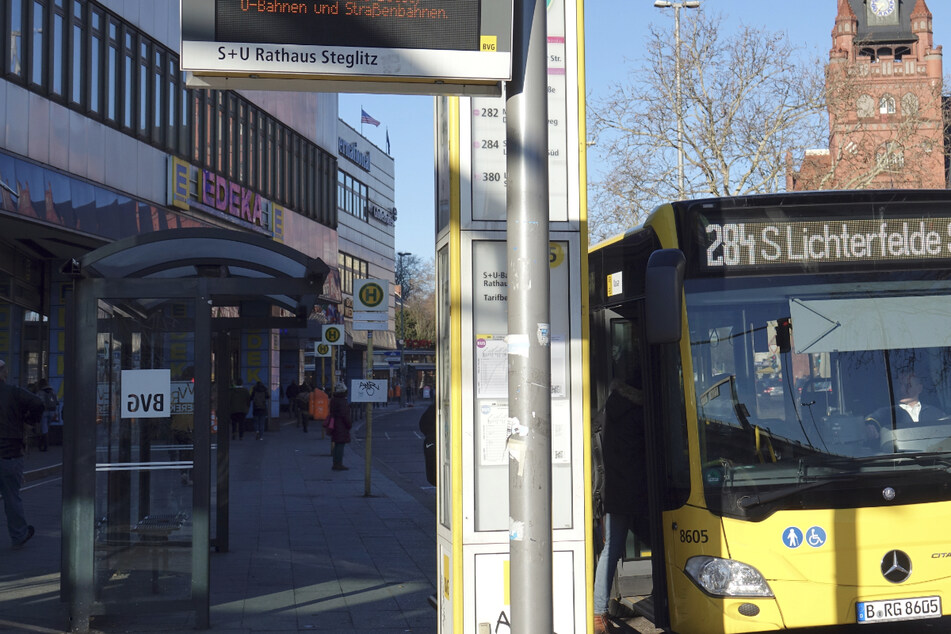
(338, 425)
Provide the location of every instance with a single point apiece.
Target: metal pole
(401, 254)
(368, 452)
(402, 354)
(677, 6)
(333, 368)
(680, 114)
(529, 352)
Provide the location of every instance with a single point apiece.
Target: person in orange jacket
(318, 405)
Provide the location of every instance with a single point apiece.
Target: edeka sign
(350, 152)
(193, 188)
(227, 196)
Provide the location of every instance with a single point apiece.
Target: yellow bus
(794, 351)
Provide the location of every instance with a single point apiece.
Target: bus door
(621, 347)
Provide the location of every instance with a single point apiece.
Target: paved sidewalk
(308, 550)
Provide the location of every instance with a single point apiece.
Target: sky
(613, 31)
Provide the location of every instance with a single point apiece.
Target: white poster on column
(493, 600)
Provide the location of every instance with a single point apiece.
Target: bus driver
(908, 412)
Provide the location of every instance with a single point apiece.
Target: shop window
(112, 71)
(270, 159)
(171, 120)
(15, 19)
(128, 80)
(351, 269)
(58, 51)
(352, 195)
(38, 45)
(186, 118)
(242, 141)
(76, 54)
(232, 148)
(197, 123)
(144, 99)
(158, 95)
(218, 121)
(208, 127)
(252, 148)
(95, 59)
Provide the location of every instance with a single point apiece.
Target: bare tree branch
(746, 99)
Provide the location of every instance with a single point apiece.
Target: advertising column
(474, 524)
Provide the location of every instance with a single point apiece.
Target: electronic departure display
(441, 41)
(757, 244)
(414, 24)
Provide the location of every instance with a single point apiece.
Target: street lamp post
(677, 6)
(401, 255)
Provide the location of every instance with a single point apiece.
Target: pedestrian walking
(50, 411)
(303, 401)
(17, 409)
(291, 392)
(338, 424)
(259, 404)
(240, 401)
(623, 503)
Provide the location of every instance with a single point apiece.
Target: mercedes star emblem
(896, 566)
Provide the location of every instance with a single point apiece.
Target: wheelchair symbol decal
(815, 536)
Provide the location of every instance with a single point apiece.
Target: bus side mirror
(664, 288)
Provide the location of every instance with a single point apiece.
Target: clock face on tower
(882, 8)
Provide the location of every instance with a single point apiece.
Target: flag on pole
(387, 140)
(365, 118)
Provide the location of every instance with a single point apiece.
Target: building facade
(884, 87)
(102, 140)
(366, 225)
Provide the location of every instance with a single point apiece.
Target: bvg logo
(372, 294)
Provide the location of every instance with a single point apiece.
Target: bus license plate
(898, 609)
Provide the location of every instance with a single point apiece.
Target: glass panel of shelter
(144, 452)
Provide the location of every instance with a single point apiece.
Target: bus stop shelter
(150, 355)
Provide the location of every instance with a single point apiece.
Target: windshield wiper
(924, 459)
(749, 501)
(921, 458)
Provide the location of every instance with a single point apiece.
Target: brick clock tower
(883, 84)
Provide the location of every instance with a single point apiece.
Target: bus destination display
(434, 41)
(413, 24)
(762, 244)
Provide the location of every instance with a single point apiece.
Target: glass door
(627, 370)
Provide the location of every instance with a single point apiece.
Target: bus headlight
(727, 578)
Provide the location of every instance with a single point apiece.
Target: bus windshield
(838, 385)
